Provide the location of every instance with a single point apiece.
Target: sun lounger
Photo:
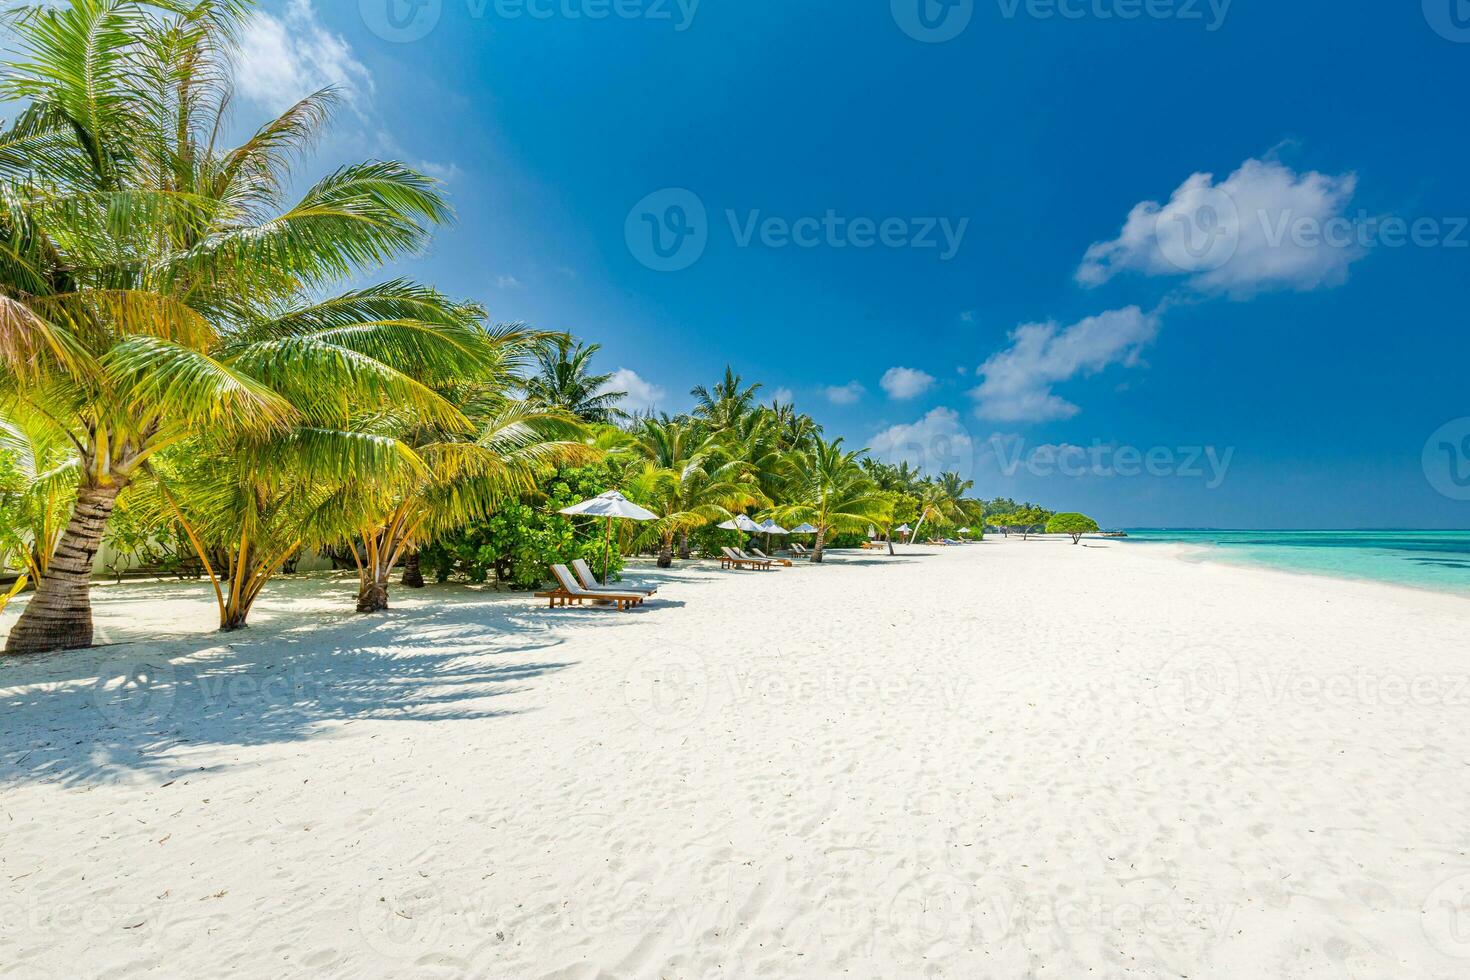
(572, 593)
(733, 560)
(799, 551)
(765, 557)
(590, 583)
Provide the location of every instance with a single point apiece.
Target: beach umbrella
(613, 506)
(770, 527)
(804, 529)
(742, 523)
(905, 530)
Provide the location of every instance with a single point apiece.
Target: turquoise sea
(1424, 559)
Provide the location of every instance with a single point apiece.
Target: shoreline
(1209, 554)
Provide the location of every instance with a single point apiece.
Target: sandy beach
(1007, 759)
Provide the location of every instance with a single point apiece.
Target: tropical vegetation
(193, 374)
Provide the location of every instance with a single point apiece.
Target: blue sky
(1145, 266)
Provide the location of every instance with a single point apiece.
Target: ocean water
(1437, 560)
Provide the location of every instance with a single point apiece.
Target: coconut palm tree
(39, 487)
(830, 491)
(730, 400)
(689, 497)
(143, 264)
(565, 381)
(461, 480)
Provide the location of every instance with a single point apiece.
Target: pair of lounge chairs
(735, 558)
(584, 587)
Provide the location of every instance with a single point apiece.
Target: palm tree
(689, 497)
(461, 480)
(940, 500)
(730, 401)
(830, 491)
(38, 490)
(142, 263)
(565, 381)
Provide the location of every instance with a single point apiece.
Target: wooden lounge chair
(733, 560)
(590, 583)
(761, 555)
(572, 593)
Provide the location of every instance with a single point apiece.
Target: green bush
(519, 543)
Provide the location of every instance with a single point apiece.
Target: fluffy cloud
(1263, 227)
(285, 58)
(1017, 385)
(643, 396)
(783, 396)
(937, 443)
(507, 282)
(848, 394)
(903, 383)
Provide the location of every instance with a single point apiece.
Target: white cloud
(285, 58)
(848, 394)
(967, 316)
(1263, 227)
(446, 173)
(784, 396)
(643, 396)
(1018, 381)
(937, 443)
(903, 383)
(507, 282)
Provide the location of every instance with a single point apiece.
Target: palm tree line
(185, 342)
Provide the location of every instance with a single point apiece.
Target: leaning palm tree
(831, 492)
(136, 254)
(565, 381)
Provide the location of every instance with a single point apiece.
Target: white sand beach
(1008, 759)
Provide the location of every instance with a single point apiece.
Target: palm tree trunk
(819, 546)
(59, 615)
(413, 575)
(666, 553)
(374, 598)
(684, 546)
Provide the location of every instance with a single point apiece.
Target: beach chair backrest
(730, 554)
(584, 573)
(757, 552)
(564, 576)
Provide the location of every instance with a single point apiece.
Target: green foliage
(1074, 524)
(521, 540)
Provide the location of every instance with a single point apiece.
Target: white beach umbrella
(905, 530)
(613, 506)
(771, 527)
(804, 529)
(742, 523)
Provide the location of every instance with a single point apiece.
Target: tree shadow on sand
(145, 708)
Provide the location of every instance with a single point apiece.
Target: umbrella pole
(607, 556)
